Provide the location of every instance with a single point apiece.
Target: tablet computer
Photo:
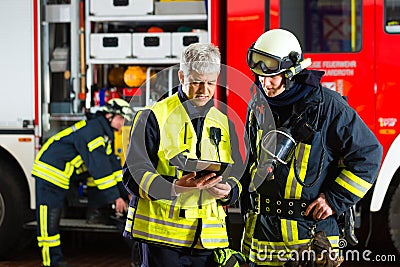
(203, 167)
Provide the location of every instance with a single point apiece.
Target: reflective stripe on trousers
(49, 204)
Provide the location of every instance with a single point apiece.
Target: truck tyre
(394, 219)
(13, 208)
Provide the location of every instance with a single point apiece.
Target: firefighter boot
(98, 215)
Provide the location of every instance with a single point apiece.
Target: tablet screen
(211, 166)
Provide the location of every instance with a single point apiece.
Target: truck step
(79, 225)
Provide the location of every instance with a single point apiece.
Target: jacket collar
(105, 125)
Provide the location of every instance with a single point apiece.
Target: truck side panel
(387, 88)
(17, 62)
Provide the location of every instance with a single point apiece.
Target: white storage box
(110, 45)
(121, 7)
(151, 45)
(180, 7)
(180, 40)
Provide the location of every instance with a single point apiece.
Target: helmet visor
(265, 64)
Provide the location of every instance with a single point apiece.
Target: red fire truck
(50, 76)
(355, 43)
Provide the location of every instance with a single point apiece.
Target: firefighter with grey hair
(179, 214)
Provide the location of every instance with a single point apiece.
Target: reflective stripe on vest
(129, 219)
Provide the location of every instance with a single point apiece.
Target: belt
(290, 208)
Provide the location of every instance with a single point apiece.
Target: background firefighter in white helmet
(82, 151)
(325, 160)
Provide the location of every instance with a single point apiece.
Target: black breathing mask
(277, 147)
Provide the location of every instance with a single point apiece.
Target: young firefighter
(326, 158)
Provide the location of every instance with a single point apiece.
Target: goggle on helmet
(274, 52)
(265, 64)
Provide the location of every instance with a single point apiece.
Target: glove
(226, 257)
(320, 247)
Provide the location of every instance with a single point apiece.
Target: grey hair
(203, 58)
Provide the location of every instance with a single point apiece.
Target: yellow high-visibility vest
(174, 222)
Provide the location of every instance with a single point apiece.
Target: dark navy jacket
(86, 149)
(344, 155)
